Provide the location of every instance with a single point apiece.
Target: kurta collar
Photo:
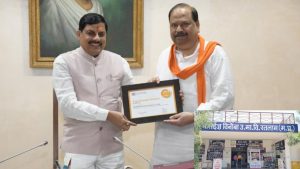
(92, 59)
(180, 57)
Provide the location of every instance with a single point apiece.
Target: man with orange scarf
(205, 78)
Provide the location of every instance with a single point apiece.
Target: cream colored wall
(260, 37)
(25, 94)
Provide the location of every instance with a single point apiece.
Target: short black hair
(184, 5)
(90, 19)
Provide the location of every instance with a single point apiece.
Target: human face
(93, 38)
(183, 29)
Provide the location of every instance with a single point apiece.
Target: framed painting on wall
(53, 25)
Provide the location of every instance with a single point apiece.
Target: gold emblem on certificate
(165, 93)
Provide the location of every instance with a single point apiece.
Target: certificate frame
(127, 101)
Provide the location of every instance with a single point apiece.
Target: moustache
(98, 42)
(180, 34)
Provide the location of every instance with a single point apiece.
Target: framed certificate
(151, 102)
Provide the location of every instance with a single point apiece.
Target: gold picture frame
(135, 58)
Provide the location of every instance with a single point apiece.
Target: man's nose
(97, 37)
(178, 28)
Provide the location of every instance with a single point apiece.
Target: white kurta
(176, 144)
(59, 23)
(63, 84)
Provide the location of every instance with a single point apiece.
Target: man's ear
(198, 26)
(78, 34)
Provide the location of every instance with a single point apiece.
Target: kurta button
(100, 128)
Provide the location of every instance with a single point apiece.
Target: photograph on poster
(53, 26)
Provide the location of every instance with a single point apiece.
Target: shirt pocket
(113, 84)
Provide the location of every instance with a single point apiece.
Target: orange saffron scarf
(198, 67)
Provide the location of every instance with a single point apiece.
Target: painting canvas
(53, 26)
